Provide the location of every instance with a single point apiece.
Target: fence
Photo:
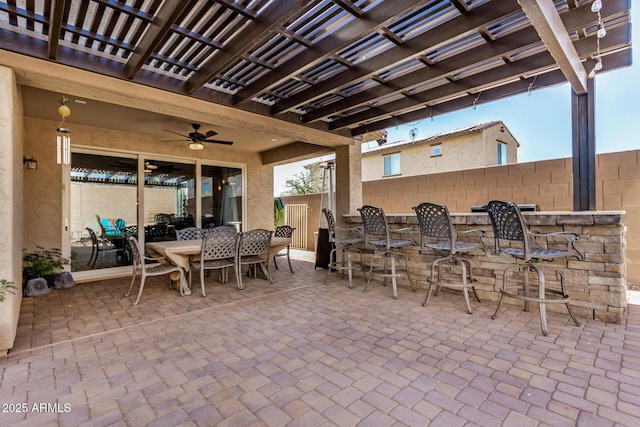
(295, 215)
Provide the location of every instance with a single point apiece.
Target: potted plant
(6, 286)
(43, 263)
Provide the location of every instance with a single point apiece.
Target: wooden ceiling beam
(535, 64)
(413, 47)
(372, 20)
(613, 61)
(55, 24)
(576, 18)
(156, 33)
(267, 23)
(546, 20)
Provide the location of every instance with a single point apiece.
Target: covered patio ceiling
(344, 67)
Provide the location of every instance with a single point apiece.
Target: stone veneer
(597, 285)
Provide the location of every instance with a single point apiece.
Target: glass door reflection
(221, 197)
(168, 205)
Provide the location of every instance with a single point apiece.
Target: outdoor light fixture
(596, 6)
(63, 134)
(31, 163)
(196, 145)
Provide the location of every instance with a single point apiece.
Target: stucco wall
(466, 151)
(43, 187)
(11, 200)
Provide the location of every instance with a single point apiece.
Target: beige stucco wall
(467, 151)
(11, 201)
(43, 187)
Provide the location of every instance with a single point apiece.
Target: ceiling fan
(198, 139)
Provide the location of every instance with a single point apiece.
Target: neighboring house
(485, 144)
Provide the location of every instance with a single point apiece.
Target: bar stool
(378, 235)
(345, 246)
(438, 234)
(509, 226)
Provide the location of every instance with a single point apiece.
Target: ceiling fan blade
(210, 133)
(176, 133)
(215, 141)
(175, 140)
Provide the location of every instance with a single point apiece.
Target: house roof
(342, 66)
(440, 137)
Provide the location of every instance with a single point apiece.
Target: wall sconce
(31, 163)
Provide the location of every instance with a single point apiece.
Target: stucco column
(10, 204)
(348, 180)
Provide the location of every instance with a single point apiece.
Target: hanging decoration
(63, 134)
(596, 5)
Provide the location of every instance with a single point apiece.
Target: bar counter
(597, 284)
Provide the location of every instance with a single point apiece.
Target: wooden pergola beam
(546, 20)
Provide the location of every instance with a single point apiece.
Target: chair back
(508, 225)
(331, 224)
(92, 234)
(435, 224)
(374, 223)
(136, 253)
(121, 225)
(189, 233)
(219, 245)
(284, 231)
(254, 242)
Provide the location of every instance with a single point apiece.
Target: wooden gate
(295, 215)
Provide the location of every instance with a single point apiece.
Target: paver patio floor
(302, 353)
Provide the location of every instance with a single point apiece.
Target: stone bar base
(597, 285)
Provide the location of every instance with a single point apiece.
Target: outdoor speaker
(36, 287)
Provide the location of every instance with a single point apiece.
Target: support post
(584, 149)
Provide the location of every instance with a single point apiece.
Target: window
(392, 164)
(436, 150)
(502, 153)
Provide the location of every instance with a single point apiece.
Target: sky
(540, 121)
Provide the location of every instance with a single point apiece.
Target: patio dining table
(179, 252)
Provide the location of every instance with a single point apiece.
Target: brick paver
(301, 353)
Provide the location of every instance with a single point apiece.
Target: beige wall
(547, 184)
(466, 151)
(43, 187)
(11, 215)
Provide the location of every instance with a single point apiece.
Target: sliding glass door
(104, 195)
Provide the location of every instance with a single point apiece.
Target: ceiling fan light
(196, 145)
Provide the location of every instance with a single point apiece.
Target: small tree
(306, 182)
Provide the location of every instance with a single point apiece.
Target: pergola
(345, 68)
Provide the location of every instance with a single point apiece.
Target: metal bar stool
(438, 234)
(378, 235)
(509, 226)
(345, 246)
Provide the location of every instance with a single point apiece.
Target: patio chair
(218, 252)
(513, 238)
(285, 231)
(140, 266)
(253, 250)
(98, 245)
(437, 234)
(377, 234)
(346, 247)
(189, 233)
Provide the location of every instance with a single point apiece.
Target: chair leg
(274, 262)
(204, 293)
(133, 279)
(238, 268)
(329, 267)
(394, 281)
(504, 289)
(564, 294)
(289, 260)
(432, 280)
(140, 291)
(470, 278)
